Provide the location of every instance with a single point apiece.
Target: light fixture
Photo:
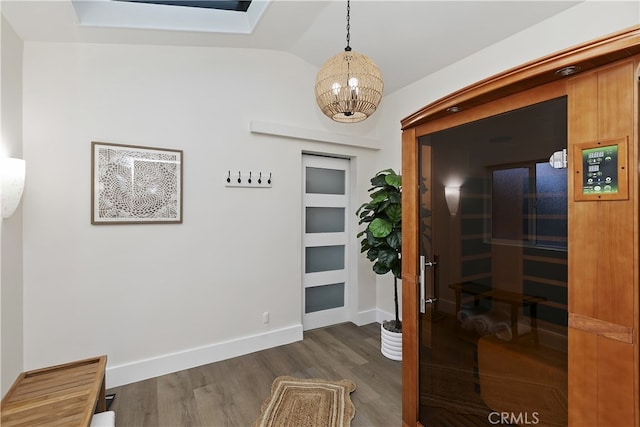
(12, 172)
(567, 71)
(452, 197)
(349, 85)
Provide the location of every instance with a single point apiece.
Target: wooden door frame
(532, 82)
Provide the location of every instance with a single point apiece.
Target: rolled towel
(467, 315)
(502, 330)
(484, 323)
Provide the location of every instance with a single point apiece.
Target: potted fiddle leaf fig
(381, 240)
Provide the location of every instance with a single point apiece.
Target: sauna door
(493, 237)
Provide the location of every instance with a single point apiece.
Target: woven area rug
(296, 402)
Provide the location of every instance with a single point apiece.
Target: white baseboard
(128, 373)
(150, 368)
(366, 317)
(381, 316)
(374, 315)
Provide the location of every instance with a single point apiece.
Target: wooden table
(64, 395)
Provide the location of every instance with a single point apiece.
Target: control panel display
(600, 170)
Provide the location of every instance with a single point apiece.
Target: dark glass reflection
(493, 349)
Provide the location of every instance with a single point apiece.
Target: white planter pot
(391, 344)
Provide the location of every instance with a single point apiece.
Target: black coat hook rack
(248, 179)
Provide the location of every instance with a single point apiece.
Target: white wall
(582, 23)
(157, 298)
(11, 342)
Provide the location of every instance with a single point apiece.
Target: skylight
(238, 6)
(199, 16)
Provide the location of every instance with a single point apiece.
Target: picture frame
(132, 184)
(600, 170)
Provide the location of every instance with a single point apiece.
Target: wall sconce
(12, 173)
(452, 196)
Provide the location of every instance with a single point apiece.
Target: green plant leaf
(394, 213)
(380, 227)
(374, 241)
(378, 180)
(394, 240)
(379, 197)
(387, 257)
(395, 198)
(362, 208)
(393, 180)
(380, 269)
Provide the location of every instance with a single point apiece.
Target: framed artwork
(600, 170)
(135, 185)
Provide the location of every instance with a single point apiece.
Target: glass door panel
(324, 258)
(324, 220)
(324, 297)
(325, 181)
(493, 346)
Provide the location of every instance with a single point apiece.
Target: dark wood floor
(230, 393)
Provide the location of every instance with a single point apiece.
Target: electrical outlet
(265, 317)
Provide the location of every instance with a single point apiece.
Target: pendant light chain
(348, 48)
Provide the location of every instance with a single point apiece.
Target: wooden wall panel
(615, 368)
(600, 108)
(603, 258)
(582, 388)
(601, 372)
(615, 270)
(615, 100)
(583, 116)
(614, 288)
(582, 123)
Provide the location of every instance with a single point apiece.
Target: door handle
(423, 299)
(423, 308)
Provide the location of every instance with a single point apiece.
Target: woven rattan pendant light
(349, 85)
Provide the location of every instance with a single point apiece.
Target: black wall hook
(269, 180)
(239, 177)
(229, 177)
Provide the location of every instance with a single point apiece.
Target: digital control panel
(600, 170)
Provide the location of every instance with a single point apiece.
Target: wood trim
(410, 310)
(605, 50)
(636, 232)
(601, 328)
(517, 100)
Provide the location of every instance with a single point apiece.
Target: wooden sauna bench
(63, 395)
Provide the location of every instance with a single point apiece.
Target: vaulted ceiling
(406, 39)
